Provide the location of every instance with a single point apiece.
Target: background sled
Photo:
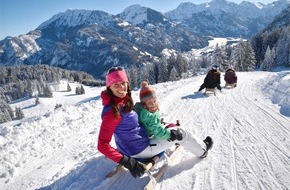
(231, 85)
(210, 90)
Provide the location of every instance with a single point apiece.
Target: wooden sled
(232, 85)
(169, 156)
(210, 90)
(156, 177)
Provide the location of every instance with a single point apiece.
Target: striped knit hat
(146, 92)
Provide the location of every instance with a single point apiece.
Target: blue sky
(21, 16)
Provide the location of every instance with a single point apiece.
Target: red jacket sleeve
(107, 129)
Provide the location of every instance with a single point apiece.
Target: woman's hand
(135, 168)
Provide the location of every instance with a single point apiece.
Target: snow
(75, 17)
(56, 148)
(135, 14)
(212, 45)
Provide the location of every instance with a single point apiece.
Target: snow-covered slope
(249, 125)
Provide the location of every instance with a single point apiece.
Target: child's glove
(175, 135)
(135, 168)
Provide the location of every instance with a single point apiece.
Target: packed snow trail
(251, 136)
(251, 141)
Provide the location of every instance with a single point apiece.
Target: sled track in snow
(176, 109)
(209, 115)
(251, 143)
(258, 135)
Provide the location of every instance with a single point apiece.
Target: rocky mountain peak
(76, 17)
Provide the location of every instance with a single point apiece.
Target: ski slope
(250, 124)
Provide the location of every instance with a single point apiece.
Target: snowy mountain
(280, 21)
(276, 38)
(85, 40)
(244, 10)
(223, 18)
(56, 148)
(136, 14)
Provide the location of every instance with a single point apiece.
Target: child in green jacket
(148, 116)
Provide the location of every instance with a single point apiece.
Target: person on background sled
(230, 76)
(132, 141)
(212, 79)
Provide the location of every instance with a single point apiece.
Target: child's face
(151, 104)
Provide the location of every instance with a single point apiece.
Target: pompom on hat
(116, 74)
(146, 92)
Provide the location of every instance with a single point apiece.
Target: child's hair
(128, 106)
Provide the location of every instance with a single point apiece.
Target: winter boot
(208, 142)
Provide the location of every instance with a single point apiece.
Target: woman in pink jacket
(121, 121)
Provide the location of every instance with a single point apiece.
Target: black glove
(135, 168)
(175, 135)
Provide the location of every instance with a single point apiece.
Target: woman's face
(119, 89)
(151, 104)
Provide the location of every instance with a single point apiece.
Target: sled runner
(149, 165)
(154, 178)
(232, 85)
(210, 90)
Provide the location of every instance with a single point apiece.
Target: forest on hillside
(34, 81)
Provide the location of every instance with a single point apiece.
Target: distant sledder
(230, 78)
(212, 81)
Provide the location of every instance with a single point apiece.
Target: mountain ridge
(89, 39)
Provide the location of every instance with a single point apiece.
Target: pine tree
(163, 74)
(173, 75)
(47, 92)
(147, 73)
(237, 57)
(133, 76)
(194, 65)
(249, 58)
(68, 87)
(78, 90)
(144, 74)
(267, 64)
(6, 113)
(29, 87)
(219, 57)
(82, 90)
(243, 57)
(205, 61)
(181, 64)
(283, 49)
(18, 113)
(37, 101)
(153, 73)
